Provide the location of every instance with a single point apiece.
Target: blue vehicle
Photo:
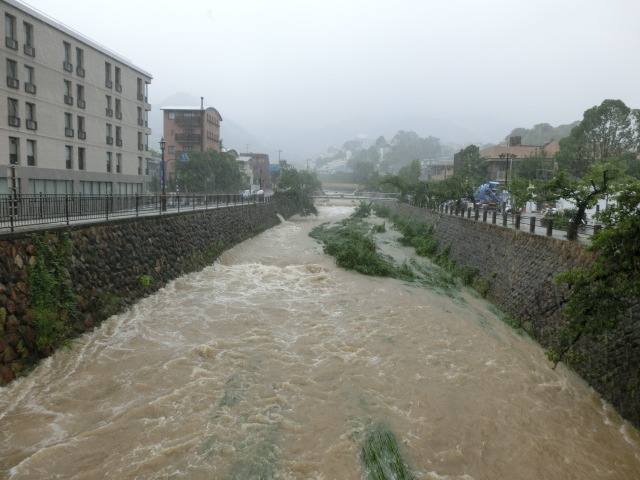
(488, 196)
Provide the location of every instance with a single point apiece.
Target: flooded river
(273, 363)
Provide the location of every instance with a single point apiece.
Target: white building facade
(73, 115)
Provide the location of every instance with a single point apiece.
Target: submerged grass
(352, 244)
(382, 458)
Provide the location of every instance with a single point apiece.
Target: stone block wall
(519, 268)
(114, 264)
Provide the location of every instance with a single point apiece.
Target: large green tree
(609, 130)
(298, 186)
(603, 294)
(470, 165)
(210, 172)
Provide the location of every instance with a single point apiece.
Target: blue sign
(184, 158)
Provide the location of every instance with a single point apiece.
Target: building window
(118, 136)
(66, 57)
(68, 125)
(118, 163)
(30, 111)
(31, 153)
(109, 134)
(172, 149)
(139, 165)
(82, 135)
(10, 31)
(79, 62)
(68, 156)
(29, 79)
(108, 110)
(81, 156)
(80, 100)
(12, 74)
(118, 79)
(109, 162)
(14, 117)
(118, 109)
(140, 117)
(68, 92)
(140, 90)
(172, 115)
(107, 75)
(29, 45)
(14, 143)
(140, 144)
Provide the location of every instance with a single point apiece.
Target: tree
(603, 294)
(411, 172)
(298, 186)
(471, 165)
(210, 171)
(606, 131)
(584, 193)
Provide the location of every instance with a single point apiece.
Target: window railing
(27, 211)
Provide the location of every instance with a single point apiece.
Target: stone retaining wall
(519, 268)
(114, 264)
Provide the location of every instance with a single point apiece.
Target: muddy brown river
(273, 363)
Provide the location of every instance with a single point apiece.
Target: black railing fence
(534, 223)
(26, 210)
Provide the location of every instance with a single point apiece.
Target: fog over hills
(297, 146)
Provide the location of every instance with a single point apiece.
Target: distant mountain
(299, 144)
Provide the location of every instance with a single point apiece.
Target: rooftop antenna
(201, 103)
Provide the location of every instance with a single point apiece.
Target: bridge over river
(274, 363)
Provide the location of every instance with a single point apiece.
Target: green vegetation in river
(381, 456)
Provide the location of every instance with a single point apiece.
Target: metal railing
(537, 224)
(18, 211)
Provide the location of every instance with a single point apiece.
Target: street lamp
(163, 177)
(509, 157)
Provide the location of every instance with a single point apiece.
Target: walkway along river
(273, 362)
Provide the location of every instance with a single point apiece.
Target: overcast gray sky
(281, 67)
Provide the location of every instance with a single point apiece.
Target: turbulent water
(273, 363)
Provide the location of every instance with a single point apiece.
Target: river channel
(274, 363)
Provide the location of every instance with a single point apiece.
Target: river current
(273, 363)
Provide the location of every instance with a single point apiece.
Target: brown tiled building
(504, 159)
(189, 129)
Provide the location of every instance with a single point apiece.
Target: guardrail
(537, 224)
(27, 210)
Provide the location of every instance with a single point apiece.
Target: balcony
(82, 103)
(30, 88)
(14, 121)
(11, 43)
(119, 115)
(188, 137)
(108, 83)
(68, 132)
(109, 112)
(118, 87)
(68, 99)
(187, 120)
(29, 51)
(82, 135)
(31, 125)
(109, 140)
(119, 142)
(67, 66)
(80, 71)
(13, 82)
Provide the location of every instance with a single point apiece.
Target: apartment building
(73, 114)
(189, 129)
